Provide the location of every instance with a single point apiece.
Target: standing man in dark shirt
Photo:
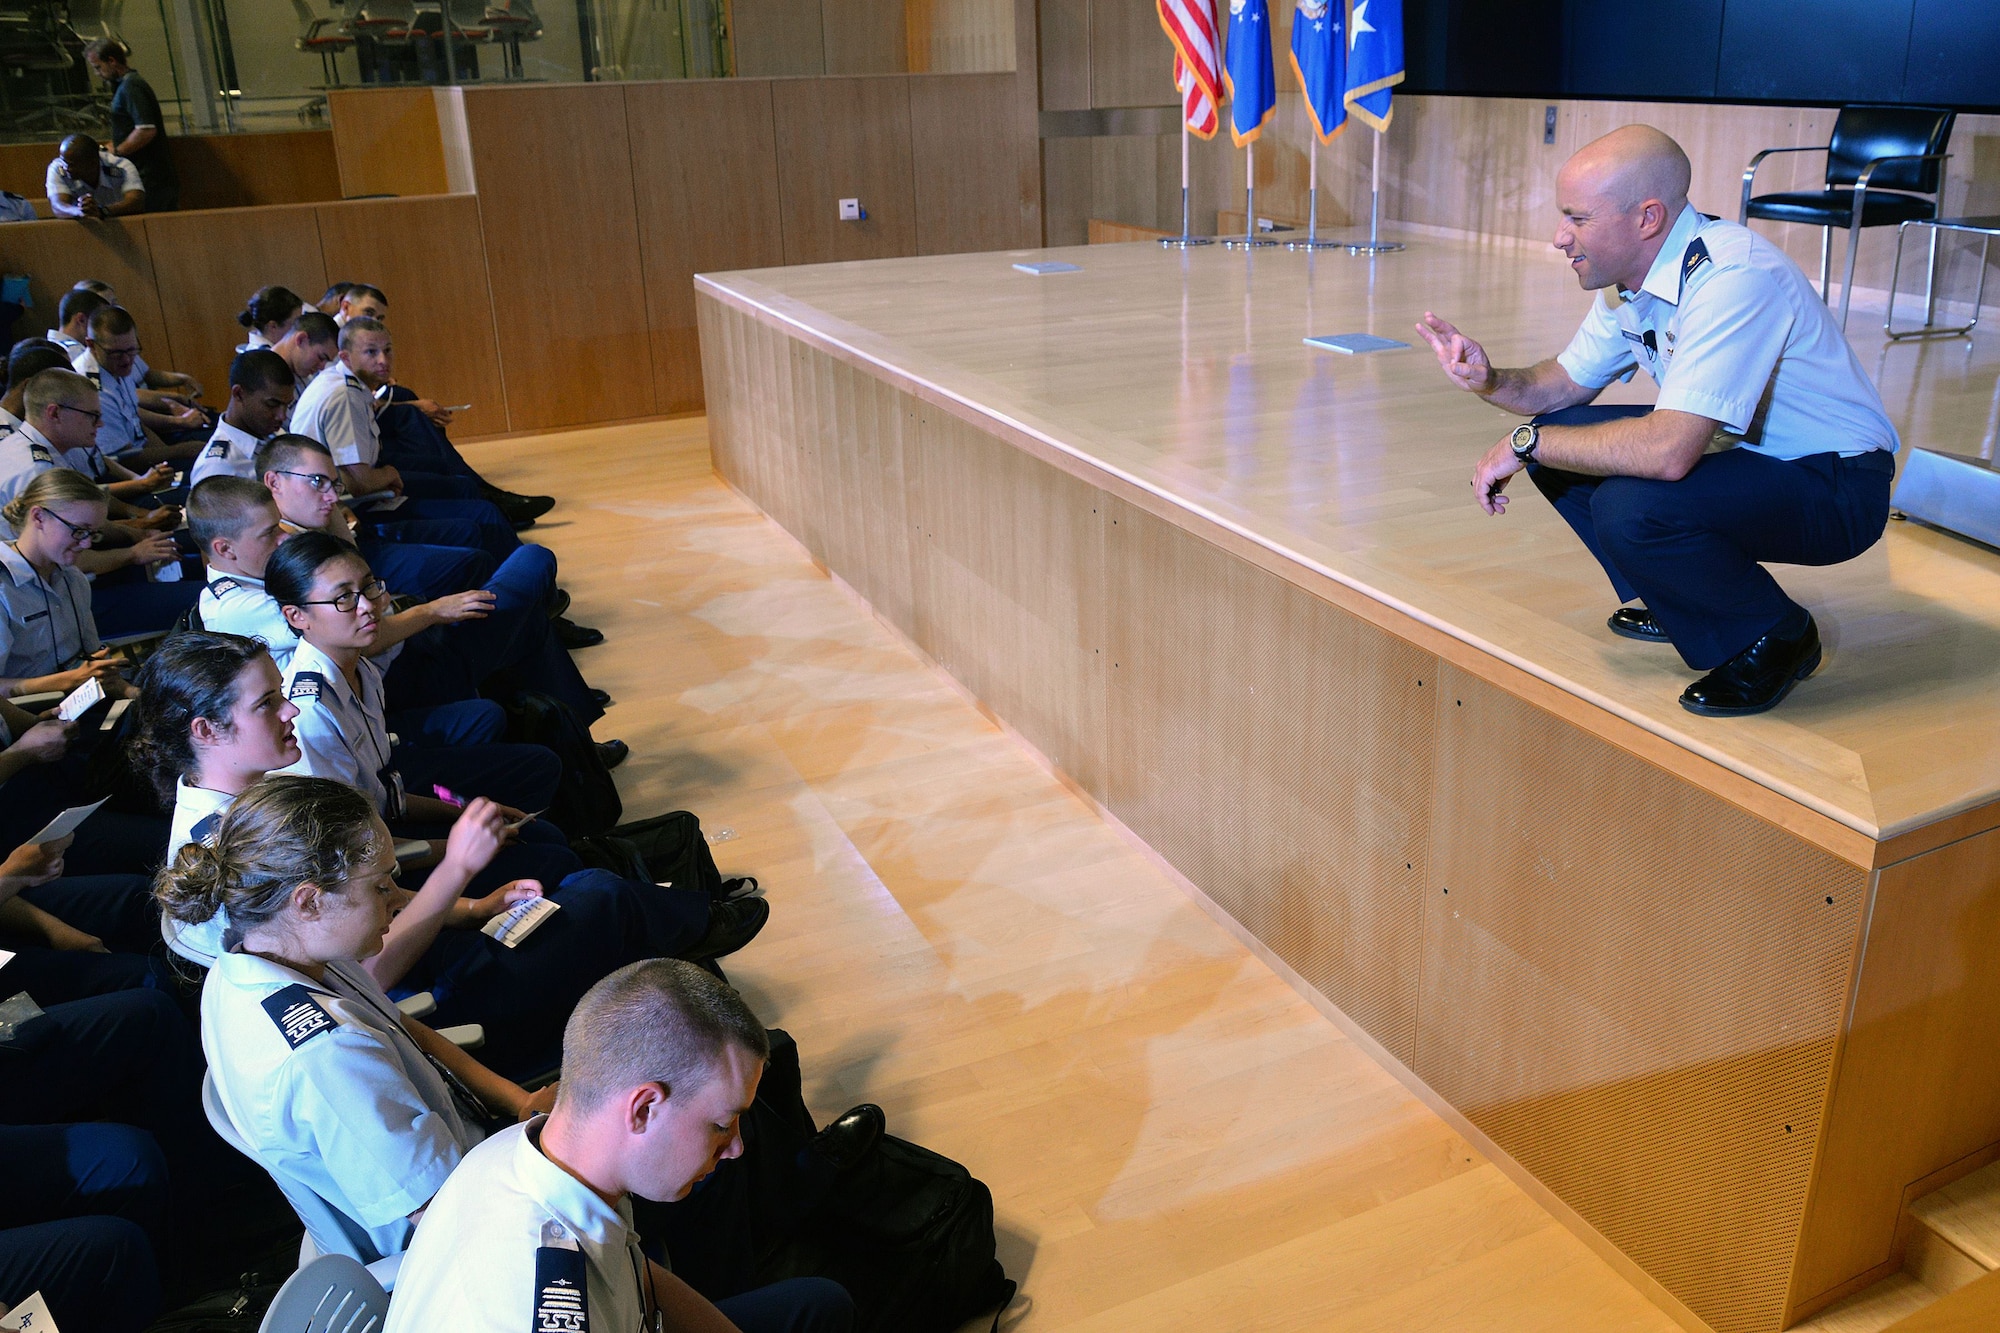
(138, 129)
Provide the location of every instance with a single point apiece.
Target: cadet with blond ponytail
(48, 637)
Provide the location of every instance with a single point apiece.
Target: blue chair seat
(1835, 208)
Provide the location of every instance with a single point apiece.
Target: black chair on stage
(1884, 167)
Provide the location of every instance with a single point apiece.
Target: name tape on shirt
(306, 685)
(299, 1015)
(562, 1291)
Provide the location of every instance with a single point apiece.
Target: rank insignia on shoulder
(223, 585)
(1693, 258)
(218, 449)
(205, 827)
(299, 1015)
(562, 1289)
(41, 454)
(306, 685)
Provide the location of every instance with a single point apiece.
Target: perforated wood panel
(1278, 752)
(1636, 990)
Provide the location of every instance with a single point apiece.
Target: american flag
(1190, 25)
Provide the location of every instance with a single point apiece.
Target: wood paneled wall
(781, 37)
(599, 203)
(387, 141)
(184, 290)
(216, 170)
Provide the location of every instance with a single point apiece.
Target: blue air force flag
(1253, 83)
(1375, 59)
(1319, 58)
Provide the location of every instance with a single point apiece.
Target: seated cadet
(29, 358)
(261, 390)
(660, 1063)
(87, 180)
(135, 405)
(42, 774)
(73, 321)
(440, 651)
(48, 636)
(268, 317)
(412, 428)
(329, 301)
(329, 1085)
(420, 557)
(212, 721)
(310, 347)
(63, 421)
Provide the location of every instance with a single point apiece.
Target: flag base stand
(1312, 240)
(1375, 245)
(1248, 243)
(1249, 240)
(1185, 242)
(1371, 247)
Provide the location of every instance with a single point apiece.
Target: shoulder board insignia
(95, 377)
(562, 1290)
(306, 685)
(1691, 259)
(218, 449)
(298, 1014)
(225, 584)
(205, 828)
(41, 453)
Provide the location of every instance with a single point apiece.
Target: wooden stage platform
(1721, 990)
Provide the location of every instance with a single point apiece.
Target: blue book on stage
(1353, 343)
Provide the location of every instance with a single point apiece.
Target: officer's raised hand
(1464, 360)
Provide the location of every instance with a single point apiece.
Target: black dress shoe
(1636, 622)
(731, 925)
(572, 635)
(519, 510)
(743, 886)
(613, 753)
(602, 698)
(558, 603)
(843, 1144)
(1758, 678)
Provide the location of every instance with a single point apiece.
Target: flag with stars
(1374, 59)
(1319, 59)
(1247, 69)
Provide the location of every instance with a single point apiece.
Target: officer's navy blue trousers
(117, 909)
(96, 1273)
(125, 602)
(411, 440)
(514, 640)
(796, 1305)
(458, 504)
(109, 843)
(457, 751)
(426, 560)
(1693, 550)
(523, 996)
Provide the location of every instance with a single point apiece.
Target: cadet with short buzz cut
(1767, 444)
(534, 1229)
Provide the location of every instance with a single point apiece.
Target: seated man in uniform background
(261, 391)
(141, 404)
(89, 181)
(660, 1062)
(310, 347)
(30, 357)
(73, 321)
(1767, 442)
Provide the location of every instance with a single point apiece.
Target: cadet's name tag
(299, 1015)
(562, 1294)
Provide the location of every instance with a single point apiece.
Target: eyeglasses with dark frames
(319, 481)
(347, 601)
(80, 531)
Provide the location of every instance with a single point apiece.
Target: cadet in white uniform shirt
(326, 1081)
(1767, 443)
(534, 1228)
(89, 181)
(261, 391)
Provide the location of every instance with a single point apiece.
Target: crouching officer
(1767, 443)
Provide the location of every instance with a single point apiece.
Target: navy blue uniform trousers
(1694, 550)
(79, 1220)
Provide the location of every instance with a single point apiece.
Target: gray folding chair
(332, 1294)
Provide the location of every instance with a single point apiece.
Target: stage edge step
(1951, 1269)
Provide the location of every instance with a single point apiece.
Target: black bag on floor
(237, 1310)
(586, 799)
(674, 850)
(909, 1233)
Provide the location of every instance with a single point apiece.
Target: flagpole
(1249, 240)
(1375, 245)
(1187, 236)
(1312, 240)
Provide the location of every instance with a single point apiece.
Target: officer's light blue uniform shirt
(229, 453)
(327, 1087)
(238, 604)
(1729, 328)
(119, 430)
(25, 453)
(45, 627)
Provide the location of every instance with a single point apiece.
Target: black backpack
(586, 800)
(665, 849)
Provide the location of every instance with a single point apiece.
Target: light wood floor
(1174, 1138)
(1186, 375)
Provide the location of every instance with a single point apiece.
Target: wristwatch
(1524, 439)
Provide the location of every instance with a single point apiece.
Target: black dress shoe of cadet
(558, 603)
(518, 509)
(572, 635)
(731, 925)
(1758, 678)
(602, 698)
(844, 1143)
(613, 753)
(1636, 622)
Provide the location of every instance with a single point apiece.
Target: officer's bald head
(1629, 166)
